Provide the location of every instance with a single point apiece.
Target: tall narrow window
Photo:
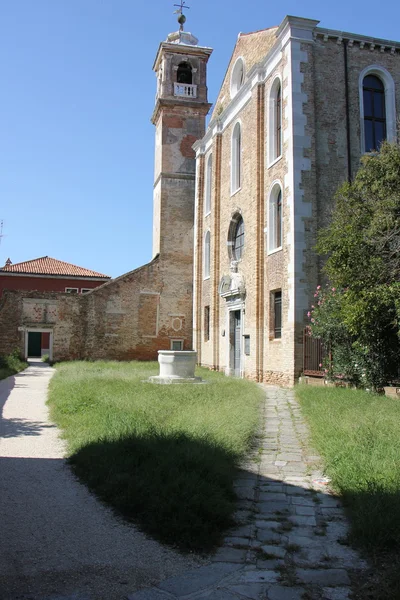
(206, 323)
(374, 112)
(275, 121)
(207, 255)
(236, 167)
(207, 205)
(275, 219)
(278, 122)
(277, 325)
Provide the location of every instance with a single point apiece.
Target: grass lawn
(358, 436)
(162, 455)
(10, 365)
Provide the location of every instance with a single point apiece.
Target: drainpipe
(346, 83)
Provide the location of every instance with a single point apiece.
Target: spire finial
(181, 18)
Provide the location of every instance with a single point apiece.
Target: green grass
(11, 364)
(358, 436)
(164, 456)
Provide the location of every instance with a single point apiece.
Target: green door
(34, 343)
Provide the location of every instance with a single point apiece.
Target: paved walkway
(289, 545)
(57, 542)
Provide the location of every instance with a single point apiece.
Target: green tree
(358, 313)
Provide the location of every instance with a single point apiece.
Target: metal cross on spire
(181, 18)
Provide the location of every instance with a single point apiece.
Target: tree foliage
(358, 312)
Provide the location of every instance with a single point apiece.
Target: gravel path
(57, 542)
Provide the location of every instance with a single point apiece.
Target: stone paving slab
(197, 579)
(287, 543)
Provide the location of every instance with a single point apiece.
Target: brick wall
(45, 284)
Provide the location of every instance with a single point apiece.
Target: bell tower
(179, 117)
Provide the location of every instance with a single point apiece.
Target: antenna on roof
(181, 18)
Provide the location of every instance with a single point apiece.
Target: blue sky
(76, 95)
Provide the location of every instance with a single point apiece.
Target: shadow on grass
(374, 518)
(177, 489)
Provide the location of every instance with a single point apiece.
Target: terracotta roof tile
(50, 266)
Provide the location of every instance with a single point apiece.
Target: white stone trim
(27, 330)
(291, 28)
(271, 197)
(297, 141)
(390, 101)
(271, 115)
(238, 305)
(172, 340)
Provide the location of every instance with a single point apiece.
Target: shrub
(358, 312)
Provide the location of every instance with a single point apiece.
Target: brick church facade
(237, 205)
(298, 107)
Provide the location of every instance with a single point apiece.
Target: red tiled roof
(50, 266)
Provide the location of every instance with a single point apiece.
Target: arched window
(208, 190)
(238, 240)
(377, 107)
(275, 121)
(207, 255)
(237, 77)
(374, 112)
(236, 169)
(278, 122)
(275, 219)
(184, 73)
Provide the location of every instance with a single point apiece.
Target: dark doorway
(235, 348)
(34, 344)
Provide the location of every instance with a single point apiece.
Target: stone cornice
(363, 40)
(172, 48)
(296, 23)
(178, 102)
(166, 175)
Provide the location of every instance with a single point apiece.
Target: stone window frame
(272, 315)
(71, 290)
(272, 225)
(174, 341)
(390, 101)
(236, 157)
(207, 254)
(273, 124)
(375, 91)
(233, 226)
(86, 290)
(208, 185)
(238, 76)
